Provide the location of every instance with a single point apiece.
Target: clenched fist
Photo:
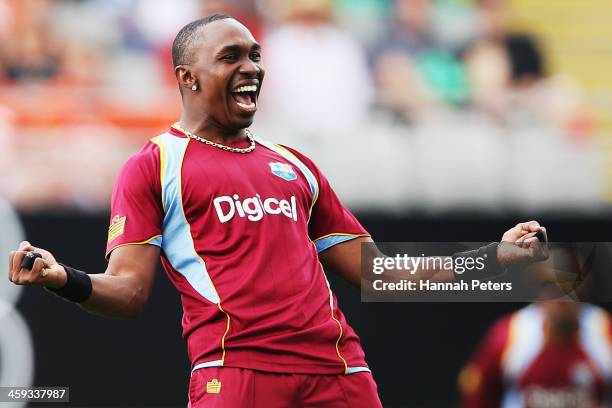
(520, 245)
(45, 271)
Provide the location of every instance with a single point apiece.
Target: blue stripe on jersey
(594, 339)
(526, 336)
(525, 341)
(353, 370)
(215, 363)
(156, 241)
(177, 242)
(310, 177)
(328, 242)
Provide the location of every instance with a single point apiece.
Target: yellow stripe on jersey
(162, 165)
(343, 234)
(316, 196)
(152, 240)
(224, 334)
(331, 306)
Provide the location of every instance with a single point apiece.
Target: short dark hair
(181, 47)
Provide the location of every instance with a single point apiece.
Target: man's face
(228, 70)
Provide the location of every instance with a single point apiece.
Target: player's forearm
(120, 297)
(124, 289)
(478, 263)
(377, 266)
(360, 262)
(121, 292)
(395, 275)
(414, 269)
(354, 261)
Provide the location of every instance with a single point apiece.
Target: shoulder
(146, 157)
(497, 337)
(301, 156)
(288, 153)
(304, 162)
(594, 318)
(148, 153)
(143, 166)
(528, 319)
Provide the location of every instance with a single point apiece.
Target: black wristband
(485, 255)
(77, 288)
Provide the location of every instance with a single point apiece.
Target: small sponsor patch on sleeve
(116, 228)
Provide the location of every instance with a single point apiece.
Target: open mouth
(246, 97)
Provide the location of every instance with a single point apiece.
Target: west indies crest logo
(283, 171)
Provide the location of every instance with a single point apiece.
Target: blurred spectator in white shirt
(317, 73)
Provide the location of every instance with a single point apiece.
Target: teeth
(246, 88)
(246, 106)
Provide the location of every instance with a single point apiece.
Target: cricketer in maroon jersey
(555, 354)
(255, 232)
(243, 228)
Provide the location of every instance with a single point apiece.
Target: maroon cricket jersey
(239, 237)
(518, 365)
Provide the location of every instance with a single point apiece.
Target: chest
(254, 187)
(566, 365)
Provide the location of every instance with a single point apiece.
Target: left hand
(520, 244)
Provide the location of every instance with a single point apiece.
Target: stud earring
(194, 87)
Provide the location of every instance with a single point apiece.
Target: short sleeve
(136, 209)
(330, 221)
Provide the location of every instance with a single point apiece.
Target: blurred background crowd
(440, 104)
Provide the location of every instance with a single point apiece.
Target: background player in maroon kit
(551, 354)
(242, 227)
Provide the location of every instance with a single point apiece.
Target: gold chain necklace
(245, 150)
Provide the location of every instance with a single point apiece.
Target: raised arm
(120, 292)
(519, 244)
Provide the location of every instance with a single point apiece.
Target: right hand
(45, 271)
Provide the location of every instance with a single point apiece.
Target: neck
(562, 328)
(206, 128)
